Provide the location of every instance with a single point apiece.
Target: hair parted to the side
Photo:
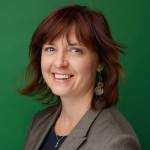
(91, 29)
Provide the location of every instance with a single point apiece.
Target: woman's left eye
(76, 50)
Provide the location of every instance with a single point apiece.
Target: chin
(61, 93)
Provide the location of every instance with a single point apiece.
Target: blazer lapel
(45, 127)
(79, 134)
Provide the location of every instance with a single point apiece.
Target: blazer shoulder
(112, 129)
(115, 121)
(118, 120)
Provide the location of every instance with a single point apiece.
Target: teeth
(62, 76)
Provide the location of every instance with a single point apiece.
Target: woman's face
(69, 69)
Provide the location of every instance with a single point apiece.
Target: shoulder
(112, 129)
(114, 119)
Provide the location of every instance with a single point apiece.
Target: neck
(73, 108)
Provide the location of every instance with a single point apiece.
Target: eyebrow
(73, 44)
(69, 43)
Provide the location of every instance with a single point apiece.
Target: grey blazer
(105, 129)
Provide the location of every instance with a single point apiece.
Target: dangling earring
(99, 90)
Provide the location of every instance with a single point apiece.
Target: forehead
(69, 37)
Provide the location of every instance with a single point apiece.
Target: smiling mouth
(59, 76)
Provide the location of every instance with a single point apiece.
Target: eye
(76, 50)
(49, 49)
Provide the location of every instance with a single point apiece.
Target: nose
(61, 60)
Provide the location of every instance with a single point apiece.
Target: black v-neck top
(51, 140)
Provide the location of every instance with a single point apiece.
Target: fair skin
(69, 69)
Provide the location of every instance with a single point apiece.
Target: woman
(74, 67)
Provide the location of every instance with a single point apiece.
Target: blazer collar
(78, 135)
(51, 117)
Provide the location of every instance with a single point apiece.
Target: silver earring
(99, 90)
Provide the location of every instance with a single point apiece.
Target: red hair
(92, 29)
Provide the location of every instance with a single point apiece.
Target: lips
(60, 76)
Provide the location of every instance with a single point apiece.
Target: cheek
(86, 68)
(44, 64)
(88, 65)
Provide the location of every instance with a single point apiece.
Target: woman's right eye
(49, 49)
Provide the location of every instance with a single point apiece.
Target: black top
(52, 141)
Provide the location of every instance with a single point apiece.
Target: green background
(130, 23)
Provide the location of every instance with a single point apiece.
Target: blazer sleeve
(123, 142)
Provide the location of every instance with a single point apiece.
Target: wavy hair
(92, 29)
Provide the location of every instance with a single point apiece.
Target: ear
(100, 67)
